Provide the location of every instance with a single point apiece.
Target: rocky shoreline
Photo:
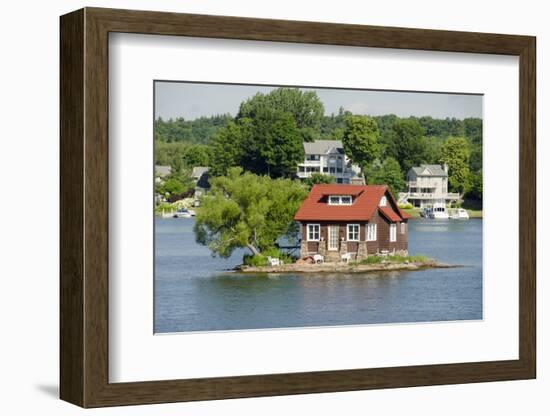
(339, 267)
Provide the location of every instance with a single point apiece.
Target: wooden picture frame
(84, 207)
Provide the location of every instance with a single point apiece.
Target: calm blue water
(192, 293)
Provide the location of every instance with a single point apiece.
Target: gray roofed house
(323, 147)
(430, 170)
(202, 185)
(327, 157)
(428, 185)
(161, 170)
(198, 171)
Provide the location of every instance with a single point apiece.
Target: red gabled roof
(365, 204)
(389, 213)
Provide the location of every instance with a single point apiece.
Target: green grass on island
(394, 259)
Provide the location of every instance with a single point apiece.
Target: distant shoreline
(415, 213)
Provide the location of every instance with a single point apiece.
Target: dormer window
(383, 201)
(340, 200)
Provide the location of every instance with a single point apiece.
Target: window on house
(340, 200)
(383, 201)
(353, 232)
(313, 232)
(345, 200)
(393, 232)
(371, 232)
(403, 227)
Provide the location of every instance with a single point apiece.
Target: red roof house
(351, 220)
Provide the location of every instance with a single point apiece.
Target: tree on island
(243, 210)
(319, 178)
(456, 154)
(361, 140)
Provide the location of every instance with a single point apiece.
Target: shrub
(261, 259)
(371, 260)
(255, 260)
(375, 259)
(278, 254)
(406, 205)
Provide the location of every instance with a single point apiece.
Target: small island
(369, 264)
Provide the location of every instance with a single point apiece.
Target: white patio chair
(317, 258)
(345, 257)
(273, 261)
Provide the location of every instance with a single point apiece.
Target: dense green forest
(266, 137)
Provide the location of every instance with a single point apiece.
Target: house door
(333, 237)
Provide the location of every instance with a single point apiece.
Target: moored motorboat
(182, 213)
(437, 212)
(460, 214)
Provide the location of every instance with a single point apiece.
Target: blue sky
(192, 100)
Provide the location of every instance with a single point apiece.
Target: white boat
(437, 212)
(182, 213)
(460, 214)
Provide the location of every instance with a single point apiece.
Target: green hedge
(261, 259)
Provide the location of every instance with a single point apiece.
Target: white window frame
(403, 227)
(371, 232)
(383, 201)
(393, 233)
(318, 232)
(340, 200)
(358, 232)
(346, 203)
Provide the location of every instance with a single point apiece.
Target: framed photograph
(255, 207)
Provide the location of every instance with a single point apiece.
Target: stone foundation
(335, 256)
(361, 251)
(303, 249)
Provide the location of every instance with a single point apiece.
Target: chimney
(445, 168)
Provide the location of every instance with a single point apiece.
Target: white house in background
(428, 185)
(327, 157)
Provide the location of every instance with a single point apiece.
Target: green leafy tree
(476, 186)
(319, 178)
(361, 139)
(227, 147)
(171, 186)
(197, 155)
(199, 130)
(243, 210)
(456, 153)
(273, 146)
(387, 173)
(305, 107)
(434, 146)
(406, 144)
(172, 153)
